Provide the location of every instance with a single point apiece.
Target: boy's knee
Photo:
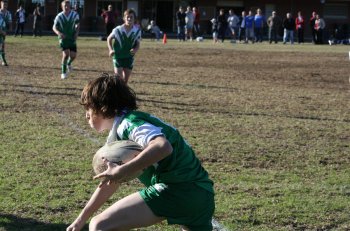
(99, 223)
(93, 224)
(96, 223)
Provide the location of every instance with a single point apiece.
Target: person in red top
(196, 26)
(312, 26)
(300, 24)
(110, 17)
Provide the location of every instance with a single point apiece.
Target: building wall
(90, 22)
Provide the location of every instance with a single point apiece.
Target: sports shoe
(64, 75)
(69, 68)
(4, 64)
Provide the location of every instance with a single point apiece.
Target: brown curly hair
(108, 95)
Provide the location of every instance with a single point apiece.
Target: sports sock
(64, 67)
(3, 57)
(69, 62)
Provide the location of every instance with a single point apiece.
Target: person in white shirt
(21, 19)
(189, 23)
(233, 22)
(155, 30)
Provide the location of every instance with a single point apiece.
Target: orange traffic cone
(164, 38)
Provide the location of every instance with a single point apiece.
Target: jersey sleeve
(55, 22)
(138, 35)
(76, 18)
(145, 133)
(114, 32)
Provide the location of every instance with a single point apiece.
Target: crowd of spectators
(254, 27)
(240, 27)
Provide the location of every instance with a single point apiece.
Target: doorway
(165, 15)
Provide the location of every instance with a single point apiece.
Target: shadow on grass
(14, 223)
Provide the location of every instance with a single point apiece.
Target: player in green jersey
(6, 18)
(66, 26)
(126, 43)
(177, 187)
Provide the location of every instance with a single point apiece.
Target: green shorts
(124, 63)
(68, 46)
(184, 204)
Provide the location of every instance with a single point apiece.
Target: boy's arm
(98, 198)
(109, 44)
(157, 149)
(77, 30)
(135, 48)
(59, 33)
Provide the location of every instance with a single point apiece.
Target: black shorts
(70, 48)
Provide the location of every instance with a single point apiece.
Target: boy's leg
(127, 73)
(2, 53)
(65, 55)
(71, 58)
(118, 71)
(127, 213)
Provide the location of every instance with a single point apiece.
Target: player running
(126, 43)
(66, 26)
(5, 26)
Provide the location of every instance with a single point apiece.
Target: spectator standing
(312, 27)
(109, 17)
(233, 22)
(214, 30)
(189, 19)
(20, 20)
(6, 16)
(37, 21)
(66, 25)
(319, 28)
(222, 25)
(181, 23)
(288, 26)
(196, 22)
(300, 25)
(249, 27)
(274, 23)
(242, 26)
(259, 22)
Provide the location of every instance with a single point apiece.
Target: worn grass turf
(270, 123)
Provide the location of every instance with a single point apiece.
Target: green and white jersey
(125, 41)
(6, 16)
(67, 26)
(182, 166)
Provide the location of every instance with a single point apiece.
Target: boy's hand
(133, 51)
(77, 225)
(61, 35)
(110, 175)
(111, 53)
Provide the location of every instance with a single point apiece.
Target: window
(29, 6)
(336, 11)
(103, 5)
(41, 2)
(78, 5)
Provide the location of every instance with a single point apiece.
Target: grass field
(270, 123)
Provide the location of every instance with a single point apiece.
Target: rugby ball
(119, 152)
